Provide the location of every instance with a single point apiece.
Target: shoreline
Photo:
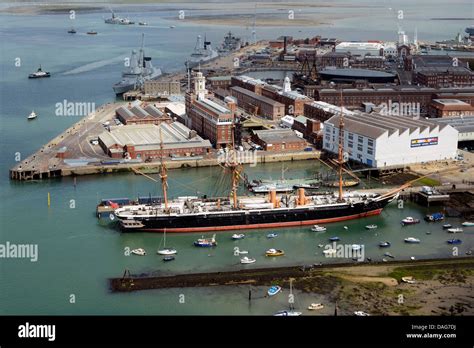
(442, 287)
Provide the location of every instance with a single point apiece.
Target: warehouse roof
(174, 135)
(272, 136)
(374, 125)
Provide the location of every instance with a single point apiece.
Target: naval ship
(140, 69)
(195, 214)
(203, 53)
(231, 43)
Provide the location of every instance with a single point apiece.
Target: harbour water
(77, 253)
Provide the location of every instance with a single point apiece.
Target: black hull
(260, 218)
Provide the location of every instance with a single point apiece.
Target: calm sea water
(77, 252)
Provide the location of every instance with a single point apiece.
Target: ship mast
(163, 174)
(235, 169)
(340, 150)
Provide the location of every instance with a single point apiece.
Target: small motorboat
(32, 116)
(455, 230)
(272, 235)
(410, 221)
(247, 260)
(320, 245)
(446, 226)
(287, 314)
(328, 252)
(317, 228)
(346, 228)
(142, 23)
(72, 31)
(384, 244)
(427, 232)
(408, 279)
(91, 32)
(468, 224)
(334, 239)
(389, 255)
(356, 247)
(206, 242)
(168, 258)
(371, 227)
(238, 236)
(273, 290)
(412, 240)
(172, 26)
(469, 252)
(361, 314)
(412, 258)
(167, 251)
(454, 241)
(315, 306)
(274, 252)
(384, 260)
(139, 252)
(434, 217)
(39, 74)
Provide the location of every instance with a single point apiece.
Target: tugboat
(206, 242)
(39, 74)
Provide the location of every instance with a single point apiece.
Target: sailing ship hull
(256, 219)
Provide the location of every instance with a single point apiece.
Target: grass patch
(427, 182)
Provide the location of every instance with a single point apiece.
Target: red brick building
(211, 118)
(282, 140)
(449, 108)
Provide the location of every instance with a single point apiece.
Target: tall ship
(201, 214)
(117, 20)
(231, 43)
(203, 53)
(139, 70)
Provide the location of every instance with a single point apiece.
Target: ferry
(206, 242)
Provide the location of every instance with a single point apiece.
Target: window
(350, 143)
(350, 136)
(359, 156)
(359, 148)
(360, 139)
(370, 142)
(370, 151)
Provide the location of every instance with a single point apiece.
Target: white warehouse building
(391, 141)
(360, 48)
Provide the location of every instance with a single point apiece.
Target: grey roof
(148, 136)
(356, 72)
(463, 124)
(271, 136)
(374, 125)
